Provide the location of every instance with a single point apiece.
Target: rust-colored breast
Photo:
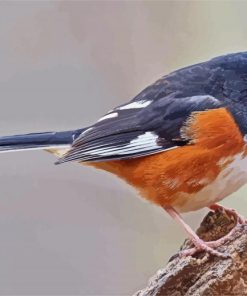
(162, 177)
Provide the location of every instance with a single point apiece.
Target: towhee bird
(181, 142)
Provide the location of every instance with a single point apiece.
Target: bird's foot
(208, 246)
(200, 246)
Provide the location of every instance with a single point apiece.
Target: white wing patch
(135, 105)
(144, 142)
(107, 116)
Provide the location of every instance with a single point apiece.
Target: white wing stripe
(135, 105)
(107, 116)
(143, 142)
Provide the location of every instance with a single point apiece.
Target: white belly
(228, 181)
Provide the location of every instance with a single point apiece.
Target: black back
(152, 121)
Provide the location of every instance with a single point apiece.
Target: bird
(181, 142)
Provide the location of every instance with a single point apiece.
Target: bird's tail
(47, 140)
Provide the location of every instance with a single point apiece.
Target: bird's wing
(138, 128)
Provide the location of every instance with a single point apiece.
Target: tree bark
(203, 274)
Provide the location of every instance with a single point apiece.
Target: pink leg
(199, 244)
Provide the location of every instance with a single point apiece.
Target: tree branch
(203, 274)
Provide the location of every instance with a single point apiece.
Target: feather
(138, 130)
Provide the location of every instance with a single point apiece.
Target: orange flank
(177, 176)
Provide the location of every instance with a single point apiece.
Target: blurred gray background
(73, 230)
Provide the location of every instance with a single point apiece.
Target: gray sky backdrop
(72, 230)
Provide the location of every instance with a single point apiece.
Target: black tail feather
(38, 140)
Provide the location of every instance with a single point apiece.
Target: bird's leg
(199, 244)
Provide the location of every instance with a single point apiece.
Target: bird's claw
(203, 246)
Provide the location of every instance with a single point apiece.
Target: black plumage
(153, 120)
(157, 114)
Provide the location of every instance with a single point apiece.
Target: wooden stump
(203, 274)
